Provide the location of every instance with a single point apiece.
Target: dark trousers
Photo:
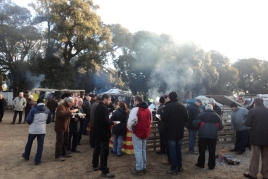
(40, 144)
(101, 149)
(79, 135)
(53, 115)
(203, 144)
(1, 115)
(241, 140)
(25, 115)
(162, 142)
(15, 116)
(72, 143)
(61, 143)
(92, 137)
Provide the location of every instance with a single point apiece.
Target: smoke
(35, 80)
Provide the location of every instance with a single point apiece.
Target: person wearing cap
(258, 123)
(174, 115)
(216, 108)
(208, 124)
(63, 116)
(29, 106)
(37, 118)
(238, 117)
(193, 111)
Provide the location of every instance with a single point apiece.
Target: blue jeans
(118, 143)
(140, 152)
(28, 147)
(175, 154)
(192, 138)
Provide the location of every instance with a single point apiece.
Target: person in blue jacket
(37, 118)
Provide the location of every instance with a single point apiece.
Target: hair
(105, 96)
(211, 101)
(123, 105)
(209, 106)
(258, 102)
(99, 97)
(69, 99)
(139, 99)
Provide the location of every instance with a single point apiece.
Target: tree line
(66, 43)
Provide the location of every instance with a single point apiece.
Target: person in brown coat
(29, 106)
(62, 122)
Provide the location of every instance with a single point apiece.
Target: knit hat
(233, 104)
(173, 95)
(40, 100)
(162, 100)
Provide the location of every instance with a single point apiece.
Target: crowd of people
(73, 114)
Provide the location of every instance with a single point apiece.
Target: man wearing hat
(193, 111)
(174, 115)
(37, 118)
(237, 124)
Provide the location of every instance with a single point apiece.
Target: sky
(236, 28)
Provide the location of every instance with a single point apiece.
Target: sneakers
(172, 172)
(107, 175)
(60, 159)
(137, 172)
(193, 152)
(23, 156)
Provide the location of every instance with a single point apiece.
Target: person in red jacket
(139, 122)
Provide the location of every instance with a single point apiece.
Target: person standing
(161, 126)
(38, 117)
(258, 124)
(174, 116)
(29, 106)
(102, 132)
(139, 122)
(208, 124)
(3, 105)
(193, 111)
(119, 130)
(91, 121)
(19, 104)
(238, 117)
(63, 116)
(52, 105)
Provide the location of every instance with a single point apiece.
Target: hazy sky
(236, 28)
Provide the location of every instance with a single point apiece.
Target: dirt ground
(14, 137)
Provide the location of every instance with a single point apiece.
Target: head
(80, 102)
(258, 102)
(138, 99)
(21, 94)
(198, 102)
(166, 98)
(88, 98)
(209, 106)
(106, 99)
(172, 95)
(75, 102)
(211, 101)
(161, 100)
(70, 101)
(1, 96)
(30, 97)
(123, 105)
(233, 106)
(40, 101)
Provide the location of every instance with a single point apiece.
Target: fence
(225, 136)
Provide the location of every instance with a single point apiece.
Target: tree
(19, 40)
(75, 36)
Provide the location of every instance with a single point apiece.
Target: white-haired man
(216, 108)
(19, 104)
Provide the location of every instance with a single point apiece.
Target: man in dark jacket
(102, 132)
(3, 105)
(193, 111)
(174, 116)
(209, 124)
(52, 105)
(258, 123)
